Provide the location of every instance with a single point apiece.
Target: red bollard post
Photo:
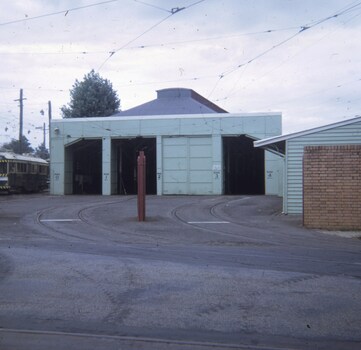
(141, 186)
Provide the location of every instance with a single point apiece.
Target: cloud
(312, 78)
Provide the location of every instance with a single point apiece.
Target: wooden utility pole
(141, 175)
(49, 112)
(49, 115)
(44, 134)
(21, 99)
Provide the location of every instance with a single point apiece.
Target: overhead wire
(348, 8)
(283, 62)
(231, 93)
(151, 5)
(171, 43)
(193, 4)
(172, 12)
(323, 90)
(65, 12)
(112, 53)
(301, 30)
(233, 69)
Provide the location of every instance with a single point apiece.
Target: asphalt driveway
(80, 272)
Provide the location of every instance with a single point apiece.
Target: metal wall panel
(175, 165)
(343, 135)
(189, 147)
(187, 165)
(274, 171)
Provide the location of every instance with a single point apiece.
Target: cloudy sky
(299, 57)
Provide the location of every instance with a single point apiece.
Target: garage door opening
(87, 167)
(127, 152)
(243, 166)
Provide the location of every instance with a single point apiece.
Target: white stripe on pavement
(59, 220)
(208, 222)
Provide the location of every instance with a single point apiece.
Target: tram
(22, 173)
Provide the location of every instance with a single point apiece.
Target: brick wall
(332, 187)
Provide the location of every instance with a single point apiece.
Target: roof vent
(174, 92)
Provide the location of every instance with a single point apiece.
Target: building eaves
(114, 117)
(280, 139)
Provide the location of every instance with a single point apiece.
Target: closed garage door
(187, 165)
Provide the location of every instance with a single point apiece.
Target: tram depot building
(192, 147)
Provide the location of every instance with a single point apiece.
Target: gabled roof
(174, 101)
(278, 141)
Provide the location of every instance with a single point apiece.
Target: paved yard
(220, 272)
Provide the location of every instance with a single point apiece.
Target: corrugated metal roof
(174, 101)
(277, 139)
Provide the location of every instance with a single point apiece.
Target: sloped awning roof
(278, 143)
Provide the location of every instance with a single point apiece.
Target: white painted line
(133, 339)
(208, 222)
(59, 220)
(237, 200)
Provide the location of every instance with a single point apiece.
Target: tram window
(3, 168)
(12, 167)
(43, 169)
(21, 167)
(34, 168)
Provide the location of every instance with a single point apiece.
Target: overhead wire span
(166, 81)
(302, 29)
(171, 43)
(193, 4)
(283, 62)
(65, 12)
(151, 5)
(323, 90)
(111, 53)
(348, 8)
(231, 70)
(172, 12)
(233, 92)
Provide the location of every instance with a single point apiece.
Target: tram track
(140, 340)
(213, 215)
(106, 277)
(279, 235)
(48, 226)
(288, 247)
(197, 226)
(87, 228)
(105, 233)
(63, 232)
(134, 227)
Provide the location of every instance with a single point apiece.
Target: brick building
(292, 146)
(332, 187)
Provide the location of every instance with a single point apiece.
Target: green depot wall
(199, 138)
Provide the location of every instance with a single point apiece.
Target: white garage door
(187, 165)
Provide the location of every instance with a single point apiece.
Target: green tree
(42, 152)
(14, 146)
(92, 97)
